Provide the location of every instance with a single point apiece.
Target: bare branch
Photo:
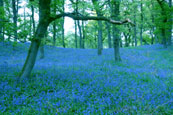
(102, 18)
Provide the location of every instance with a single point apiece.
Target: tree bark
(15, 13)
(141, 26)
(44, 13)
(116, 36)
(54, 26)
(76, 41)
(164, 21)
(109, 35)
(62, 26)
(80, 34)
(54, 33)
(100, 44)
(1, 15)
(83, 33)
(32, 16)
(170, 27)
(134, 28)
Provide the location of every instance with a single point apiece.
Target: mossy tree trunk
(44, 13)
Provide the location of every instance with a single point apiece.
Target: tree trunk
(170, 26)
(141, 27)
(76, 34)
(33, 21)
(30, 24)
(24, 27)
(44, 10)
(62, 26)
(80, 34)
(15, 12)
(42, 46)
(134, 28)
(164, 21)
(100, 42)
(83, 37)
(109, 35)
(62, 33)
(1, 23)
(116, 36)
(54, 33)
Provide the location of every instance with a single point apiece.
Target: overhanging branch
(101, 18)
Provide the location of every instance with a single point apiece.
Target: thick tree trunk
(116, 36)
(109, 35)
(100, 42)
(44, 10)
(116, 42)
(164, 21)
(15, 12)
(1, 23)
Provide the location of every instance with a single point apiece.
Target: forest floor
(77, 81)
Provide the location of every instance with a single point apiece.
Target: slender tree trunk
(63, 38)
(170, 27)
(44, 10)
(76, 34)
(32, 16)
(109, 35)
(126, 40)
(80, 34)
(152, 40)
(100, 44)
(24, 27)
(83, 37)
(134, 28)
(152, 27)
(141, 27)
(54, 33)
(1, 23)
(30, 24)
(62, 26)
(54, 26)
(15, 12)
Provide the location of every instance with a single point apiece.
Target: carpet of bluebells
(77, 81)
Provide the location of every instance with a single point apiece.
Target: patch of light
(68, 25)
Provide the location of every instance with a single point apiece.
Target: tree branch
(101, 18)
